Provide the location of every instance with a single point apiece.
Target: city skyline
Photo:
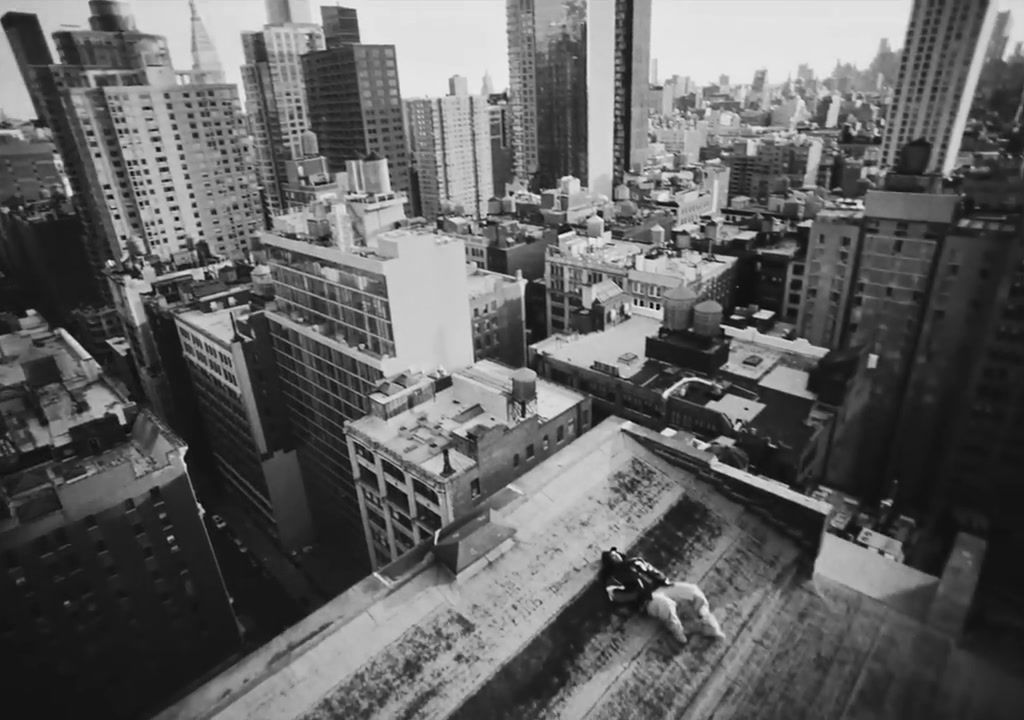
(425, 65)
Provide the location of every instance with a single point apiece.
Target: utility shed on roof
(529, 633)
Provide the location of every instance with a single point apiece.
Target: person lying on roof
(629, 581)
(635, 583)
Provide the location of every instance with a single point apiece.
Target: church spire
(204, 55)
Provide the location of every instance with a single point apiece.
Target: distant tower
(458, 85)
(281, 12)
(943, 53)
(487, 88)
(204, 54)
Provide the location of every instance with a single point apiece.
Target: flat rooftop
(525, 631)
(622, 346)
(54, 386)
(484, 282)
(37, 491)
(215, 323)
(477, 399)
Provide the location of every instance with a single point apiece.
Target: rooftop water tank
(595, 226)
(707, 318)
(678, 303)
(524, 385)
(658, 236)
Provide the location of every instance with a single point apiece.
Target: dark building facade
(42, 246)
(355, 107)
(632, 64)
(109, 587)
(341, 25)
(28, 44)
(548, 79)
(501, 141)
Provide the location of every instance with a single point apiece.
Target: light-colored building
(757, 164)
(155, 157)
(430, 453)
(942, 57)
(346, 317)
(824, 297)
(618, 66)
(275, 91)
(498, 304)
(450, 141)
(229, 360)
(578, 261)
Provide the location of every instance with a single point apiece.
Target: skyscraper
(942, 57)
(1000, 37)
(281, 12)
(341, 25)
(547, 60)
(29, 47)
(355, 106)
(450, 141)
(156, 158)
(275, 93)
(618, 58)
(205, 62)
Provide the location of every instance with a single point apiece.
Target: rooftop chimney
(447, 469)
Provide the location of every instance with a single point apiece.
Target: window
(560, 433)
(515, 460)
(529, 452)
(897, 247)
(474, 487)
(546, 443)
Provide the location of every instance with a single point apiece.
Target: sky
(435, 39)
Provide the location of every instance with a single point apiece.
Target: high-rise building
(458, 85)
(501, 142)
(275, 93)
(348, 316)
(448, 461)
(487, 86)
(833, 245)
(28, 44)
(1000, 37)
(355, 107)
(942, 57)
(205, 63)
(103, 549)
(282, 12)
(341, 25)
(230, 358)
(450, 142)
(547, 60)
(156, 158)
(760, 93)
(618, 58)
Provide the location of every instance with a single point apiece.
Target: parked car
(218, 522)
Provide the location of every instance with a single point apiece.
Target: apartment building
(346, 317)
(433, 449)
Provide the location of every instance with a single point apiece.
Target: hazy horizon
(439, 38)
